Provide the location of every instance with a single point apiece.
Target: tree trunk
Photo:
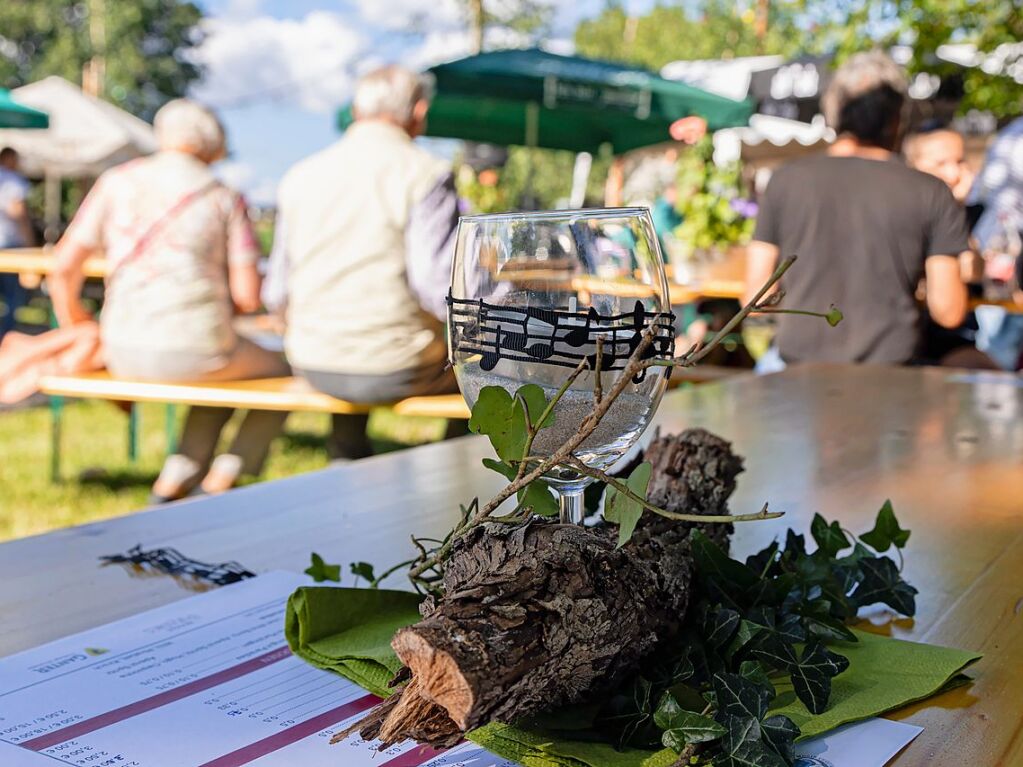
(541, 615)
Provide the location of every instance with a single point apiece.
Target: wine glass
(530, 295)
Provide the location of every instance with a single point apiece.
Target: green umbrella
(534, 98)
(15, 115)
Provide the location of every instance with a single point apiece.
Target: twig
(525, 477)
(624, 489)
(775, 310)
(598, 384)
(692, 357)
(637, 362)
(685, 756)
(376, 581)
(531, 430)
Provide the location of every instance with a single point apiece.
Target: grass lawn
(100, 481)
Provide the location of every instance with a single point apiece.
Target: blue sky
(278, 69)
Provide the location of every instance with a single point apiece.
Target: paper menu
(209, 682)
(870, 743)
(205, 682)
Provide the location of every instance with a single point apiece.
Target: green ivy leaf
(886, 531)
(624, 511)
(536, 402)
(776, 653)
(834, 316)
(741, 729)
(500, 467)
(492, 416)
(668, 711)
(714, 565)
(829, 537)
(790, 629)
(749, 754)
(537, 494)
(811, 676)
(780, 733)
(882, 583)
(719, 626)
(761, 561)
(828, 629)
(795, 545)
(689, 728)
(747, 631)
(754, 672)
(627, 712)
(671, 672)
(320, 571)
(738, 696)
(500, 416)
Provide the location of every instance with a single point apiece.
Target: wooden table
(33, 264)
(838, 440)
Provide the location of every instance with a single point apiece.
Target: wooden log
(542, 615)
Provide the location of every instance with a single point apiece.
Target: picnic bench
(289, 394)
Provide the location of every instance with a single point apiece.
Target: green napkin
(883, 674)
(349, 631)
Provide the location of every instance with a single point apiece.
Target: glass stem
(571, 503)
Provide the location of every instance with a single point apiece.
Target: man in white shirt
(365, 237)
(15, 231)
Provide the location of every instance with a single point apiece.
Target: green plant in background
(712, 201)
(531, 179)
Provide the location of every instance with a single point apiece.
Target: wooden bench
(290, 394)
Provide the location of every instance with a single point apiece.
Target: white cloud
(309, 62)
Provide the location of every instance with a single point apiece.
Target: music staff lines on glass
(557, 336)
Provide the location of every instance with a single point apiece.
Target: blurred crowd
(892, 229)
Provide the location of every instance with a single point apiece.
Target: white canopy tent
(767, 134)
(86, 137)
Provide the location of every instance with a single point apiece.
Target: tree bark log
(542, 615)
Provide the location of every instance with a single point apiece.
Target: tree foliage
(145, 45)
(711, 29)
(848, 26)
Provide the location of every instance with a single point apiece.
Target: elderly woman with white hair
(182, 258)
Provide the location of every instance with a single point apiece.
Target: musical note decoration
(556, 336)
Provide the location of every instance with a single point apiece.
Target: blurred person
(998, 190)
(999, 185)
(941, 152)
(15, 231)
(182, 258)
(366, 233)
(865, 227)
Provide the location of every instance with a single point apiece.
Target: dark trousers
(348, 439)
(14, 297)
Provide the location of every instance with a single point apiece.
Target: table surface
(833, 439)
(39, 262)
(723, 279)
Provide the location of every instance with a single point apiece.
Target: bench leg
(133, 433)
(56, 417)
(172, 429)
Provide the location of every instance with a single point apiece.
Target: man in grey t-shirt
(866, 229)
(15, 231)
